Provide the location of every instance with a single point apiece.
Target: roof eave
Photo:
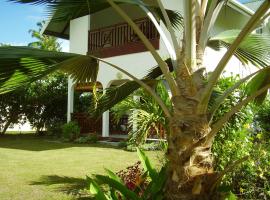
(232, 3)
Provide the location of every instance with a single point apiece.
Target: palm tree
(43, 41)
(190, 173)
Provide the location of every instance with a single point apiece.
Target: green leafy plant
(145, 113)
(262, 117)
(43, 41)
(55, 129)
(242, 137)
(149, 146)
(133, 183)
(134, 178)
(123, 144)
(87, 139)
(70, 131)
(47, 104)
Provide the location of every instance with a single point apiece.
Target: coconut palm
(190, 173)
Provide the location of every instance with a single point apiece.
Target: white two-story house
(106, 35)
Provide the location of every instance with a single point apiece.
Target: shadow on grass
(32, 142)
(73, 186)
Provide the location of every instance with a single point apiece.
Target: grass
(36, 168)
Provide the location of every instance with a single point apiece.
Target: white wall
(79, 35)
(78, 44)
(137, 64)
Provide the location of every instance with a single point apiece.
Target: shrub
(71, 131)
(55, 129)
(46, 101)
(239, 138)
(122, 144)
(262, 119)
(152, 146)
(87, 139)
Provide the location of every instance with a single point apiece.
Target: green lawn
(37, 168)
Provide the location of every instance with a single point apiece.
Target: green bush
(87, 139)
(239, 138)
(46, 102)
(55, 129)
(70, 131)
(151, 146)
(122, 144)
(262, 119)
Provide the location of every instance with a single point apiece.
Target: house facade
(106, 35)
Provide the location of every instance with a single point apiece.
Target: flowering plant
(134, 177)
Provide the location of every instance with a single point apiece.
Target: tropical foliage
(43, 41)
(262, 117)
(190, 172)
(134, 183)
(145, 114)
(71, 131)
(46, 102)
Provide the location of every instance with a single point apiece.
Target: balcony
(120, 39)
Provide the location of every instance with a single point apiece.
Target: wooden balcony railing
(120, 39)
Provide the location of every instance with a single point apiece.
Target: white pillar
(106, 123)
(70, 99)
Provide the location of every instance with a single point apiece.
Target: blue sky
(16, 20)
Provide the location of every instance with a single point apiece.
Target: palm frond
(22, 65)
(258, 82)
(82, 69)
(175, 17)
(254, 49)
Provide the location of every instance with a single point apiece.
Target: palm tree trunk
(190, 171)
